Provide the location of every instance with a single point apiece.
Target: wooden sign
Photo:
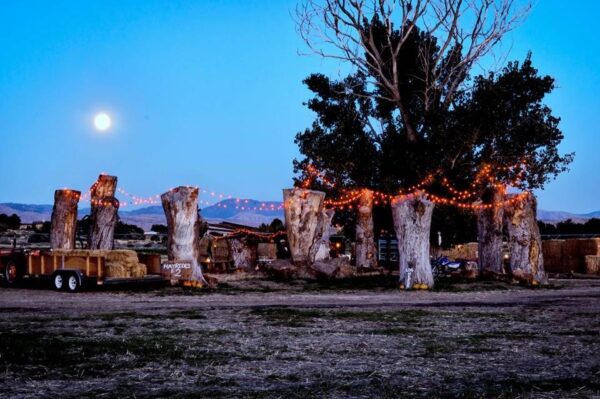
(176, 270)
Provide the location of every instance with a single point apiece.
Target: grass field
(260, 339)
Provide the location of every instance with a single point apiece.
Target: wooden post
(526, 258)
(489, 234)
(183, 221)
(64, 219)
(302, 209)
(366, 252)
(103, 216)
(412, 222)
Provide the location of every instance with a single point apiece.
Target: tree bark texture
(303, 219)
(244, 253)
(183, 222)
(412, 223)
(104, 214)
(320, 250)
(489, 234)
(366, 252)
(526, 257)
(64, 219)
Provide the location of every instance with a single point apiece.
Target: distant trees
(12, 222)
(159, 228)
(591, 226)
(275, 226)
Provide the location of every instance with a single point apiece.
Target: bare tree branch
(466, 30)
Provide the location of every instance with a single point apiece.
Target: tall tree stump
(104, 214)
(526, 257)
(412, 223)
(303, 210)
(64, 219)
(321, 248)
(366, 252)
(183, 222)
(489, 234)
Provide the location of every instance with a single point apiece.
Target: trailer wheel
(11, 273)
(58, 282)
(72, 283)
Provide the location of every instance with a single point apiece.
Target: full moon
(102, 122)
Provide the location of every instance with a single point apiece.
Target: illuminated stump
(104, 214)
(489, 234)
(183, 222)
(366, 252)
(303, 215)
(412, 223)
(64, 219)
(525, 242)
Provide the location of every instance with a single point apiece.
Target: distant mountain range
(248, 212)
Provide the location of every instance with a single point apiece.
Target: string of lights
(465, 199)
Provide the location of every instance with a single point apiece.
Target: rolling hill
(248, 211)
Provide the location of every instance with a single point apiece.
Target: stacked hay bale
(573, 255)
(119, 263)
(592, 264)
(468, 251)
(553, 256)
(124, 263)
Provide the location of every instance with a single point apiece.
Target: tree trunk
(302, 209)
(526, 258)
(104, 212)
(183, 222)
(244, 253)
(320, 250)
(412, 222)
(489, 234)
(366, 252)
(64, 219)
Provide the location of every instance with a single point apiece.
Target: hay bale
(589, 246)
(592, 264)
(572, 259)
(138, 271)
(204, 246)
(221, 252)
(552, 249)
(116, 270)
(267, 250)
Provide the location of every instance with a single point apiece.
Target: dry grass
(143, 345)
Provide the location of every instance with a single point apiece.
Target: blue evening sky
(209, 93)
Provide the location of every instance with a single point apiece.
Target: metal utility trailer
(68, 272)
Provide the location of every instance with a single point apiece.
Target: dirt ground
(258, 338)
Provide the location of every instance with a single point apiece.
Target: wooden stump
(526, 256)
(244, 253)
(320, 250)
(303, 210)
(366, 252)
(104, 214)
(489, 234)
(183, 221)
(412, 222)
(64, 219)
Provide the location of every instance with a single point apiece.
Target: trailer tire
(58, 281)
(11, 273)
(72, 283)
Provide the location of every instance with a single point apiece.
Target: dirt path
(290, 341)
